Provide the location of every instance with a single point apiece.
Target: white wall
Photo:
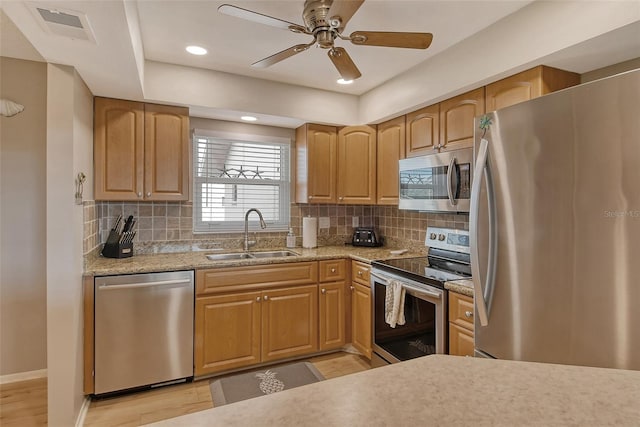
(23, 296)
(69, 138)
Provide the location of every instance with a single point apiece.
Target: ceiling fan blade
(249, 15)
(277, 57)
(345, 9)
(389, 39)
(344, 63)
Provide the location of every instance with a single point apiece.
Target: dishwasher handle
(106, 287)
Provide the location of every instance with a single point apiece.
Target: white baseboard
(83, 412)
(23, 376)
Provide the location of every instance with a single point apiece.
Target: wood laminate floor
(25, 404)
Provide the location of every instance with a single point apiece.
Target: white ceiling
(233, 43)
(139, 52)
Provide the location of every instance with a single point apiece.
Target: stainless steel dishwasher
(143, 330)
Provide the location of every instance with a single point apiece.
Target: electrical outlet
(323, 222)
(355, 221)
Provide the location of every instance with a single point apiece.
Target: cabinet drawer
(461, 310)
(333, 270)
(360, 273)
(233, 279)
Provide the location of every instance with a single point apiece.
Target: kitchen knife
(127, 224)
(117, 223)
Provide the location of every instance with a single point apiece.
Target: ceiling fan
(325, 20)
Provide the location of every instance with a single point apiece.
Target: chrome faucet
(247, 242)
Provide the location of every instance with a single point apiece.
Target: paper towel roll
(309, 232)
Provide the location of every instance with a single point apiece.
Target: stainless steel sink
(232, 256)
(273, 254)
(250, 255)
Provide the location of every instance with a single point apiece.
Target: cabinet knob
(468, 314)
(324, 291)
(266, 297)
(352, 288)
(139, 193)
(148, 193)
(341, 198)
(333, 270)
(258, 299)
(310, 197)
(359, 273)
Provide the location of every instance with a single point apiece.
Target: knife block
(114, 249)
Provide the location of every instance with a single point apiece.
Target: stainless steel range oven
(425, 306)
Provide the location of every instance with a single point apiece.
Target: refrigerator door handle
(452, 165)
(483, 299)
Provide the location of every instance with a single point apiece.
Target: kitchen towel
(309, 232)
(394, 304)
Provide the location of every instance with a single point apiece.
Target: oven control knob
(441, 237)
(433, 236)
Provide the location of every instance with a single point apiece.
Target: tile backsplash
(172, 222)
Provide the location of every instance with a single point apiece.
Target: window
(233, 173)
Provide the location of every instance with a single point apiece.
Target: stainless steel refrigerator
(555, 227)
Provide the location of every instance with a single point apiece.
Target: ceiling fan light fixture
(344, 82)
(248, 118)
(196, 50)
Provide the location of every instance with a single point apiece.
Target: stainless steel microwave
(438, 182)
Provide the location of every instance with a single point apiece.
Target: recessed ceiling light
(248, 118)
(344, 82)
(196, 50)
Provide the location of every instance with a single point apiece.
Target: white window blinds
(234, 173)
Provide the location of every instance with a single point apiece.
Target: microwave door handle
(452, 165)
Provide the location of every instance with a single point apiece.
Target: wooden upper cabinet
(141, 151)
(422, 131)
(166, 152)
(391, 148)
(118, 149)
(457, 116)
(316, 164)
(527, 85)
(357, 165)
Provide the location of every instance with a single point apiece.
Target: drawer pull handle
(468, 314)
(333, 270)
(359, 273)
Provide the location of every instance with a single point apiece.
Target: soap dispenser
(291, 239)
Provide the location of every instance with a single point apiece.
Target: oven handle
(407, 286)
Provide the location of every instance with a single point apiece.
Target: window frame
(219, 227)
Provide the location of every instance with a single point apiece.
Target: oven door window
(416, 338)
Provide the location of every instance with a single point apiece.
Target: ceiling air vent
(65, 23)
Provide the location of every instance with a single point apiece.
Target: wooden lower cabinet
(289, 322)
(227, 332)
(247, 328)
(461, 326)
(361, 318)
(332, 316)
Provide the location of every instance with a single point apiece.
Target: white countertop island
(444, 390)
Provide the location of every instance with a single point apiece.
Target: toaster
(366, 236)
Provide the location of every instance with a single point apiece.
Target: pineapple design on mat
(269, 383)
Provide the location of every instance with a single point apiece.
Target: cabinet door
(527, 85)
(391, 148)
(460, 341)
(227, 332)
(423, 131)
(357, 165)
(321, 164)
(289, 322)
(361, 318)
(166, 153)
(457, 119)
(118, 149)
(332, 316)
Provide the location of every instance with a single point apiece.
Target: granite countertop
(464, 287)
(444, 390)
(196, 259)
